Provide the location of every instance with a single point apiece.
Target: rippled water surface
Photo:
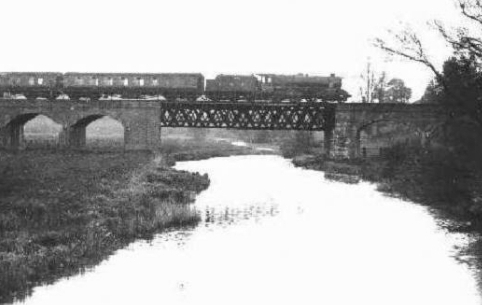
(275, 234)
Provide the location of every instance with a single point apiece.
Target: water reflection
(231, 216)
(272, 234)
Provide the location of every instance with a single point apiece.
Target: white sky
(213, 36)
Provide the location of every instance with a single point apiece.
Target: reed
(63, 212)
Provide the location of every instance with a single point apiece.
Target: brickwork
(363, 130)
(139, 118)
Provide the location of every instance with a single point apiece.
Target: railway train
(174, 86)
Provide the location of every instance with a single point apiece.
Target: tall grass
(62, 212)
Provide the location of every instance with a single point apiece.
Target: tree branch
(461, 42)
(472, 9)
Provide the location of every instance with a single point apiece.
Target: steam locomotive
(174, 86)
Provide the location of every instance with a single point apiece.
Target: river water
(275, 234)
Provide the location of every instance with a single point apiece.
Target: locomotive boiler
(303, 87)
(276, 88)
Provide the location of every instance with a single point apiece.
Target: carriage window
(125, 81)
(140, 81)
(155, 81)
(40, 81)
(110, 81)
(268, 80)
(31, 81)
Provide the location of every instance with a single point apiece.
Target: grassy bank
(62, 212)
(437, 178)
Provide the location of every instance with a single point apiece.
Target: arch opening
(103, 132)
(377, 137)
(30, 130)
(41, 132)
(373, 138)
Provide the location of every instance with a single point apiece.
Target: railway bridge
(343, 124)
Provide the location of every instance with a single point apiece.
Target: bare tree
(464, 41)
(373, 84)
(407, 44)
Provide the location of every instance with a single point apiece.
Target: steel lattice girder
(247, 115)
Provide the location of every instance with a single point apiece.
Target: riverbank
(61, 212)
(347, 172)
(449, 188)
(447, 181)
(421, 178)
(177, 150)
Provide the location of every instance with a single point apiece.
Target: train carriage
(30, 84)
(134, 85)
(77, 85)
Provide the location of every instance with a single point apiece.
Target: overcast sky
(213, 36)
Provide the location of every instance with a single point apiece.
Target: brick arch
(23, 118)
(141, 119)
(76, 129)
(12, 129)
(409, 120)
(400, 131)
(105, 132)
(84, 119)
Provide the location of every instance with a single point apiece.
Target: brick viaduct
(140, 120)
(344, 124)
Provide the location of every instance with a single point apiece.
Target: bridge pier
(73, 137)
(327, 141)
(143, 134)
(343, 141)
(12, 137)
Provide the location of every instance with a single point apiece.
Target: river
(275, 234)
